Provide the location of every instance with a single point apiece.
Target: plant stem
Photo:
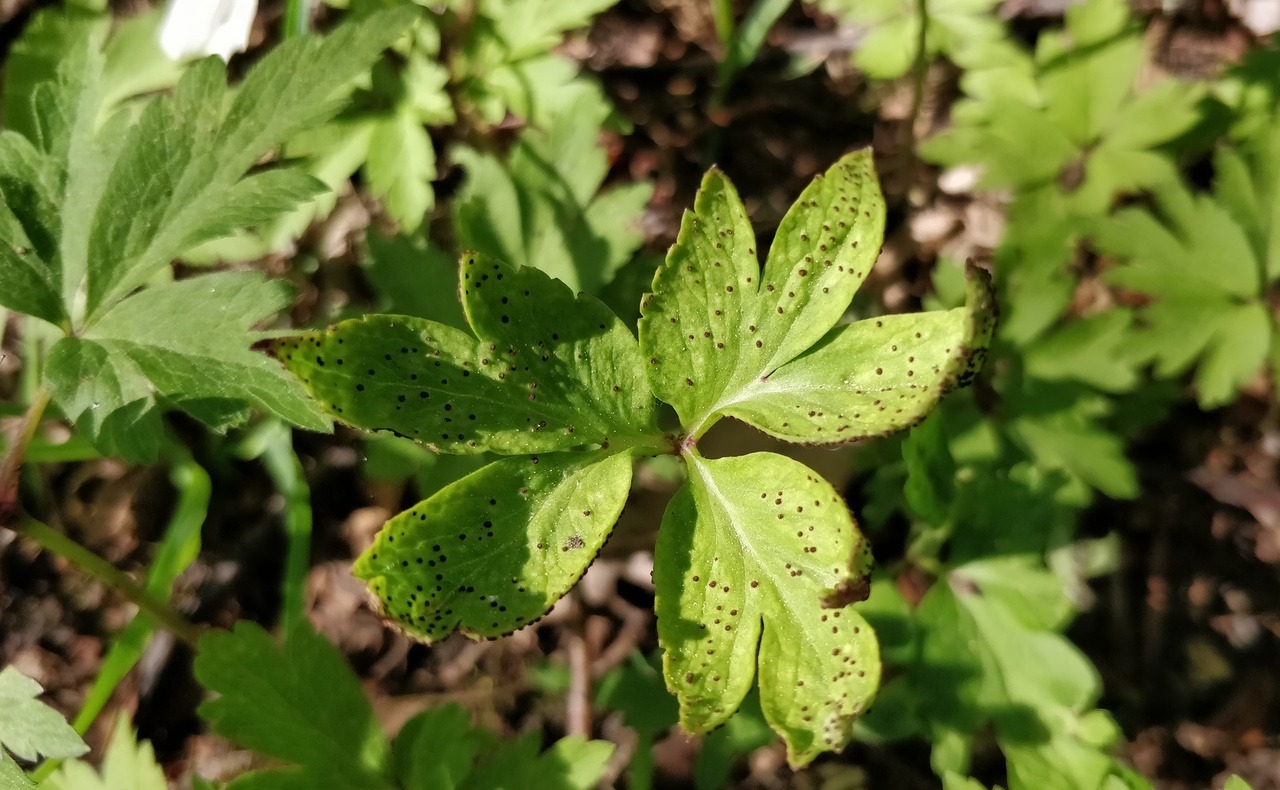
(921, 71)
(11, 464)
(297, 18)
(290, 480)
(177, 550)
(52, 540)
(722, 15)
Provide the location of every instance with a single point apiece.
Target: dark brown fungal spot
(848, 591)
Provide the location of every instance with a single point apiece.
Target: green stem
(290, 480)
(52, 540)
(921, 71)
(722, 12)
(179, 547)
(722, 15)
(297, 18)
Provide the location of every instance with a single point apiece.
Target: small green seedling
(758, 558)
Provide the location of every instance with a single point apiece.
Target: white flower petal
(195, 28)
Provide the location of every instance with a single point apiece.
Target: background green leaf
(30, 729)
(298, 702)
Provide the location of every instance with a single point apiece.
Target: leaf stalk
(52, 540)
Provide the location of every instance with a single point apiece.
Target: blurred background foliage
(1077, 582)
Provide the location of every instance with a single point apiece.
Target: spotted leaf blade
(824, 249)
(874, 377)
(691, 325)
(756, 564)
(716, 323)
(546, 370)
(494, 551)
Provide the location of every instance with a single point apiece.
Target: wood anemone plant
(758, 562)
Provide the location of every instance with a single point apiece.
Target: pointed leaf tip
(982, 316)
(876, 376)
(717, 323)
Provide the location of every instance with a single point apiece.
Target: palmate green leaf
(299, 703)
(545, 371)
(1070, 119)
(544, 207)
(180, 161)
(186, 341)
(127, 765)
(986, 653)
(725, 338)
(494, 551)
(888, 49)
(1202, 261)
(29, 729)
(400, 166)
(756, 562)
(91, 208)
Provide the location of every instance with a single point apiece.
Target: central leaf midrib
(745, 385)
(746, 543)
